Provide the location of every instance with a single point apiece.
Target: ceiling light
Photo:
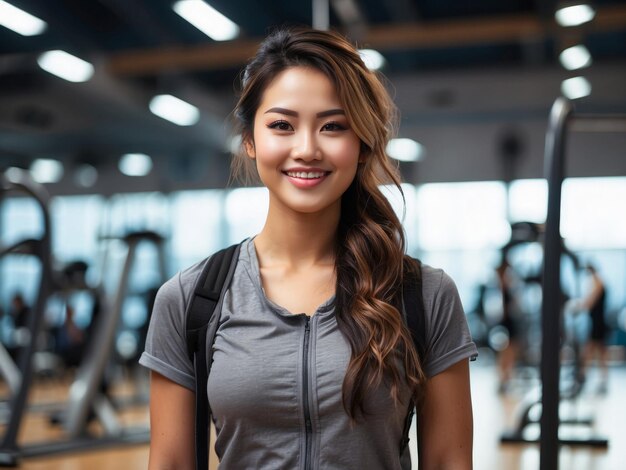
(46, 170)
(65, 66)
(85, 175)
(574, 15)
(19, 21)
(14, 174)
(175, 110)
(576, 87)
(575, 57)
(135, 164)
(373, 60)
(405, 150)
(207, 19)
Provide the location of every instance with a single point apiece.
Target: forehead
(300, 86)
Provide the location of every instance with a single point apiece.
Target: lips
(306, 178)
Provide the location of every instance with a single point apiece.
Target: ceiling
(455, 65)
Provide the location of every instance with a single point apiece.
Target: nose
(306, 147)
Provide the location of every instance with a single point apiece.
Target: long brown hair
(370, 240)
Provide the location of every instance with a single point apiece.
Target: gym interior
(511, 149)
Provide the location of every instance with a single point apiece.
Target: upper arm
(172, 418)
(446, 422)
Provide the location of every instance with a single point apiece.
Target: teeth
(305, 174)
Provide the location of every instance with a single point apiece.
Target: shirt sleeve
(448, 336)
(166, 344)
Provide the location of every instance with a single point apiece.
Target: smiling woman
(312, 364)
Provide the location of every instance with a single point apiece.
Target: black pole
(551, 298)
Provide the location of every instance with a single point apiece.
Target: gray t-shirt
(276, 378)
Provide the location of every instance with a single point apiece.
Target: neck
(298, 239)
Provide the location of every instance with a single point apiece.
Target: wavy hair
(370, 240)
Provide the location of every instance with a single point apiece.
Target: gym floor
(493, 414)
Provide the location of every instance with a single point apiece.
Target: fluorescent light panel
(575, 57)
(373, 60)
(46, 170)
(576, 87)
(19, 21)
(14, 174)
(175, 110)
(65, 66)
(85, 175)
(575, 15)
(405, 150)
(135, 164)
(207, 19)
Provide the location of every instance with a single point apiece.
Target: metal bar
(321, 14)
(9, 371)
(85, 387)
(598, 123)
(551, 298)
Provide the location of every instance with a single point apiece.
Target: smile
(306, 175)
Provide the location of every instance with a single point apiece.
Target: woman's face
(305, 151)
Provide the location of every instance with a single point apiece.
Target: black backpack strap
(413, 303)
(201, 327)
(414, 316)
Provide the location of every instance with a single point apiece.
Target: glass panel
(246, 210)
(528, 200)
(462, 216)
(197, 226)
(75, 225)
(21, 219)
(594, 213)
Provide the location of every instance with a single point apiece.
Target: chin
(312, 207)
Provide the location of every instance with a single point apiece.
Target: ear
(250, 150)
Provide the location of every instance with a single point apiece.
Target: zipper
(305, 387)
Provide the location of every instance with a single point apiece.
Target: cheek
(345, 152)
(268, 147)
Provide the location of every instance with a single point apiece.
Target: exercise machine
(87, 399)
(563, 119)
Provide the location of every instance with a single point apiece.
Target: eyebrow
(289, 112)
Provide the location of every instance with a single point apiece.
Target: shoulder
(436, 284)
(180, 286)
(448, 339)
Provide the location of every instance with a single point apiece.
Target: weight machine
(563, 119)
(86, 399)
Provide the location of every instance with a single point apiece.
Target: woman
(507, 357)
(313, 366)
(595, 304)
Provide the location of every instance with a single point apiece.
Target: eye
(280, 125)
(333, 126)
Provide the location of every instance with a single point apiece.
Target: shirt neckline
(254, 272)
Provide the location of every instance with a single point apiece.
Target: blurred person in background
(19, 313)
(507, 357)
(595, 304)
